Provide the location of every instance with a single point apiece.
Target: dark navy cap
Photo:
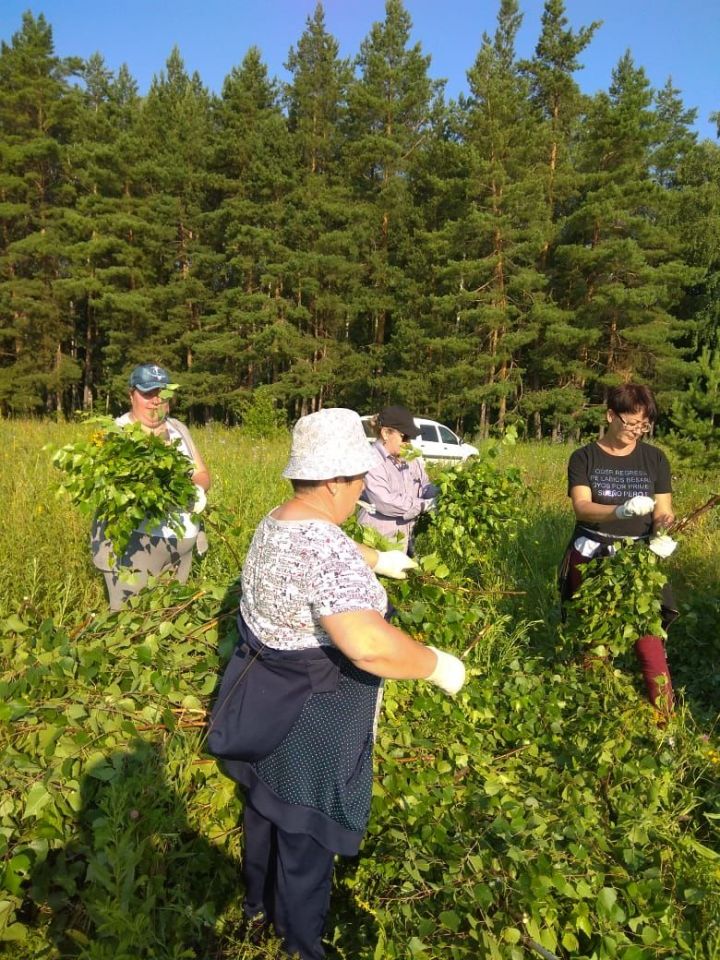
(149, 376)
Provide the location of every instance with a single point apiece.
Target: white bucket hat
(327, 444)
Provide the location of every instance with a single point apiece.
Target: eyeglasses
(642, 426)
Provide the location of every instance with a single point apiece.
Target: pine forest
(354, 237)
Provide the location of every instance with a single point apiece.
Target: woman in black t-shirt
(621, 487)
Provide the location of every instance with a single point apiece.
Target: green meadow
(542, 809)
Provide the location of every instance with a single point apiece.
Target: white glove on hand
(393, 563)
(449, 672)
(663, 545)
(429, 504)
(635, 507)
(200, 499)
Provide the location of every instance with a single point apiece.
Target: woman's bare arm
(378, 647)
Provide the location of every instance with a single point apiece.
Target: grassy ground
(44, 551)
(47, 569)
(539, 751)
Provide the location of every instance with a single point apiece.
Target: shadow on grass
(694, 643)
(134, 879)
(351, 929)
(530, 564)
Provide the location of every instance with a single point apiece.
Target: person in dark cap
(151, 552)
(398, 490)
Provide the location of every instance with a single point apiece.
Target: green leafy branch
(127, 478)
(480, 507)
(618, 601)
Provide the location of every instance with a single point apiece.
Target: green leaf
(450, 919)
(570, 942)
(700, 849)
(417, 948)
(13, 624)
(37, 798)
(606, 900)
(14, 933)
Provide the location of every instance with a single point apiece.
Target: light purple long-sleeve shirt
(400, 490)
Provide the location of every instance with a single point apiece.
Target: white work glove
(663, 545)
(449, 672)
(429, 504)
(393, 563)
(367, 507)
(635, 507)
(200, 499)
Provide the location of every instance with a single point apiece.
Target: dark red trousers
(650, 650)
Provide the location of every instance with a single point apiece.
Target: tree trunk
(482, 426)
(58, 388)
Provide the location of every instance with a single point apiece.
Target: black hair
(633, 398)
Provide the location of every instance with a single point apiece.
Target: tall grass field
(544, 811)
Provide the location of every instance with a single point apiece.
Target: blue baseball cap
(149, 376)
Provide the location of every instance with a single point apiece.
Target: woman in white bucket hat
(295, 717)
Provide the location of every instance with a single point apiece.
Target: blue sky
(666, 37)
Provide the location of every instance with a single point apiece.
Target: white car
(435, 442)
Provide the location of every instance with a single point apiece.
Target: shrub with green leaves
(262, 418)
(618, 601)
(125, 477)
(480, 506)
(106, 799)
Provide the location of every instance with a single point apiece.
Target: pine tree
(498, 243)
(316, 98)
(554, 381)
(176, 134)
(696, 411)
(36, 115)
(618, 266)
(248, 340)
(390, 108)
(323, 275)
(674, 137)
(103, 287)
(696, 414)
(430, 361)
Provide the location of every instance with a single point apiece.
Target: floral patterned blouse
(297, 571)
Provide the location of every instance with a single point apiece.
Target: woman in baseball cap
(398, 490)
(151, 552)
(295, 717)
